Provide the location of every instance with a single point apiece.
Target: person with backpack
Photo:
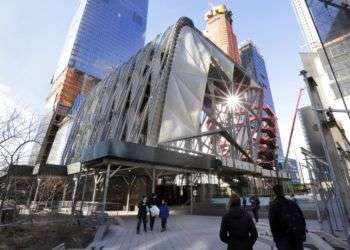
(255, 205)
(238, 230)
(153, 206)
(142, 215)
(163, 214)
(287, 222)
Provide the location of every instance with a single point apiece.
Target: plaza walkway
(184, 232)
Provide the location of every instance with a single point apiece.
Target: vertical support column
(204, 192)
(191, 191)
(30, 194)
(105, 191)
(75, 179)
(36, 193)
(128, 200)
(83, 195)
(64, 194)
(94, 192)
(210, 186)
(302, 179)
(331, 153)
(255, 187)
(312, 182)
(153, 180)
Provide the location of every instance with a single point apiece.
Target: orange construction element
(69, 84)
(219, 30)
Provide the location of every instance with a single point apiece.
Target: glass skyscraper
(328, 59)
(333, 26)
(103, 34)
(254, 63)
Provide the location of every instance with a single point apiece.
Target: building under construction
(180, 112)
(181, 118)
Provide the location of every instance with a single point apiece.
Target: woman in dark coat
(142, 215)
(238, 230)
(164, 214)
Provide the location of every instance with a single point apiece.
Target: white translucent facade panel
(56, 153)
(187, 83)
(186, 87)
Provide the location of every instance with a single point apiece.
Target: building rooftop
(217, 10)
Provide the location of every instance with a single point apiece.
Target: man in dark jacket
(244, 200)
(287, 222)
(237, 227)
(142, 215)
(255, 205)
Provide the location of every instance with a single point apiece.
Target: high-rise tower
(220, 31)
(254, 63)
(327, 28)
(103, 34)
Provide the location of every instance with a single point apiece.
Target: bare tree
(18, 134)
(49, 190)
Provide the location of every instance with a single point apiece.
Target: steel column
(153, 180)
(30, 194)
(105, 191)
(75, 179)
(83, 195)
(36, 192)
(331, 153)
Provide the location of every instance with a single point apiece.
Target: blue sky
(33, 32)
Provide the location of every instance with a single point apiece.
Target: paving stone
(185, 232)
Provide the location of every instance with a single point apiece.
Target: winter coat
(143, 210)
(238, 229)
(153, 201)
(244, 201)
(163, 211)
(255, 202)
(278, 217)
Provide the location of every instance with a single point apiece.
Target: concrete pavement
(184, 232)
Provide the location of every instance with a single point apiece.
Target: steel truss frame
(129, 104)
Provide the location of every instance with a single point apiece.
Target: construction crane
(292, 129)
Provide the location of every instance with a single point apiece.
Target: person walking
(163, 214)
(238, 230)
(153, 206)
(244, 201)
(255, 205)
(142, 215)
(287, 222)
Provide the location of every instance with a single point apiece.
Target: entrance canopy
(142, 154)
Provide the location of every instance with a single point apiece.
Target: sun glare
(232, 101)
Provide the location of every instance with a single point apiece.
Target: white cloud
(9, 102)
